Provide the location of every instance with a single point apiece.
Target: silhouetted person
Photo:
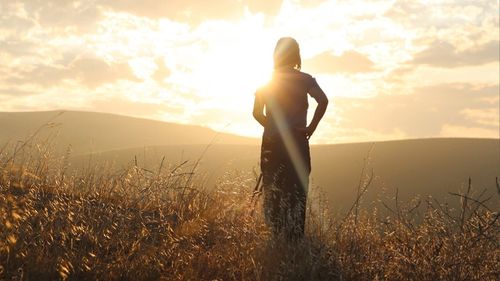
(281, 108)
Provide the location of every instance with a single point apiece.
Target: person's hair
(287, 53)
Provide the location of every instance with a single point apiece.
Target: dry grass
(135, 224)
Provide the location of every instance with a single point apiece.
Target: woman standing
(281, 108)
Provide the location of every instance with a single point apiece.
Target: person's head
(287, 53)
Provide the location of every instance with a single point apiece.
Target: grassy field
(102, 223)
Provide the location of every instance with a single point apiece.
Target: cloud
(270, 7)
(192, 11)
(348, 62)
(486, 117)
(91, 72)
(14, 25)
(407, 11)
(15, 91)
(18, 48)
(94, 72)
(61, 15)
(177, 10)
(161, 72)
(424, 112)
(134, 108)
(444, 54)
(83, 16)
(310, 3)
(454, 131)
(441, 14)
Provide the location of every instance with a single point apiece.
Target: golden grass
(134, 224)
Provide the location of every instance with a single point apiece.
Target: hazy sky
(391, 69)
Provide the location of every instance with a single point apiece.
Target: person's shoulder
(305, 74)
(308, 78)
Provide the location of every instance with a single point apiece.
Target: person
(281, 108)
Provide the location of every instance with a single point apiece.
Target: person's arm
(317, 93)
(258, 110)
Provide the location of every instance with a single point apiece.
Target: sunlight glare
(232, 71)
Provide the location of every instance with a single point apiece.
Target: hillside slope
(93, 132)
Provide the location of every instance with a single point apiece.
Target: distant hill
(420, 167)
(423, 167)
(93, 132)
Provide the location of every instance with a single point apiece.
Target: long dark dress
(285, 158)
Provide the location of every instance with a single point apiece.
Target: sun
(249, 66)
(232, 69)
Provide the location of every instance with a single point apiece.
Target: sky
(391, 69)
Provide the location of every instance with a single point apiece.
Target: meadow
(101, 222)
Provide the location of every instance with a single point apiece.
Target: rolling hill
(88, 132)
